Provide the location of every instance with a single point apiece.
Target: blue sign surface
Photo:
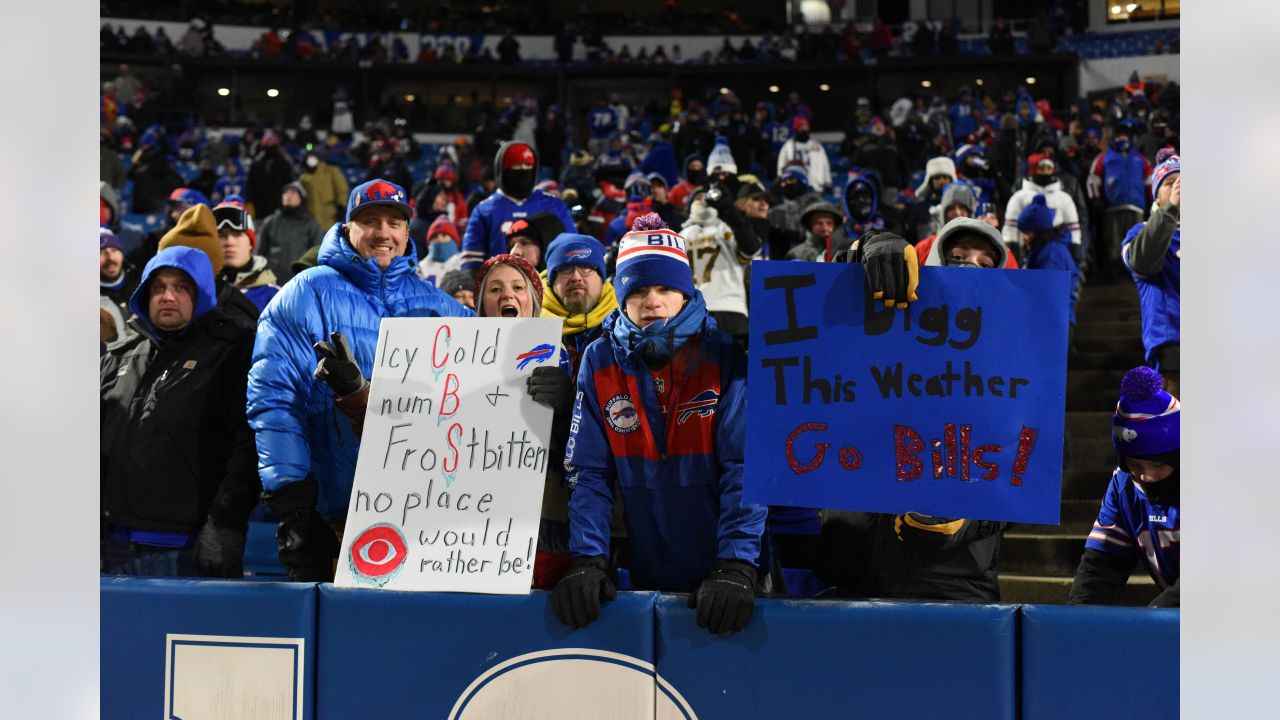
(952, 407)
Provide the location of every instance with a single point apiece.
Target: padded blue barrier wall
(389, 654)
(1080, 662)
(823, 659)
(170, 645)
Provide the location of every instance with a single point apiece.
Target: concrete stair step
(1088, 425)
(1110, 329)
(1104, 313)
(1041, 553)
(1129, 344)
(1106, 359)
(1091, 455)
(1110, 293)
(1043, 589)
(1088, 483)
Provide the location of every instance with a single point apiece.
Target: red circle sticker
(378, 553)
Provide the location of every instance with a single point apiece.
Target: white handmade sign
(448, 486)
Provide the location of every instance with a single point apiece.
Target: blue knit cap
(1172, 165)
(1147, 418)
(1037, 216)
(651, 256)
(569, 249)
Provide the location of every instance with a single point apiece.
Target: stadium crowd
(235, 333)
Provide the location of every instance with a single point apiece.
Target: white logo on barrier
(229, 677)
(572, 684)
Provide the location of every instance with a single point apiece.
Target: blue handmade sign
(953, 407)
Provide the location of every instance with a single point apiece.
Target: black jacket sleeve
(744, 231)
(1100, 578)
(240, 487)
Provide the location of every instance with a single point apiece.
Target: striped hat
(1171, 165)
(648, 257)
(1146, 423)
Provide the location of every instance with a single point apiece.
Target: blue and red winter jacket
(486, 233)
(679, 472)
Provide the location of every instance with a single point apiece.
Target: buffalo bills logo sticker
(702, 405)
(539, 354)
(621, 414)
(377, 554)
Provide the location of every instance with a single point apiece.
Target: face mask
(862, 209)
(802, 137)
(698, 177)
(963, 264)
(1043, 180)
(1121, 146)
(1163, 493)
(441, 251)
(791, 191)
(312, 161)
(517, 182)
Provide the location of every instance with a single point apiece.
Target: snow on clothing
(284, 236)
(1133, 527)
(1152, 251)
(486, 233)
(292, 412)
(256, 281)
(812, 156)
(176, 448)
(1056, 198)
(678, 466)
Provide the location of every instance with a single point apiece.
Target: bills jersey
(1131, 526)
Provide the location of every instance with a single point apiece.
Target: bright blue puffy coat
(298, 428)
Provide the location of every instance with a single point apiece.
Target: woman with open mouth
(508, 286)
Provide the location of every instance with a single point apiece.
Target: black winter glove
(893, 271)
(725, 599)
(579, 593)
(719, 198)
(307, 544)
(551, 387)
(219, 551)
(337, 366)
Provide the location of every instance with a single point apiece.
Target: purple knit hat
(1147, 418)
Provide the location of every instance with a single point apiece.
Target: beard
(580, 303)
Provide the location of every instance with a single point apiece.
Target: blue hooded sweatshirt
(189, 260)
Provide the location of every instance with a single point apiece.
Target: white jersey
(433, 271)
(719, 269)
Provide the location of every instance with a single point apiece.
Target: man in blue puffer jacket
(660, 415)
(515, 168)
(306, 453)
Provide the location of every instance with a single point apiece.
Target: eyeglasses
(572, 270)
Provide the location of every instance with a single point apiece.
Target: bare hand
(1175, 193)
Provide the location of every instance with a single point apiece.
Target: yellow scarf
(574, 324)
